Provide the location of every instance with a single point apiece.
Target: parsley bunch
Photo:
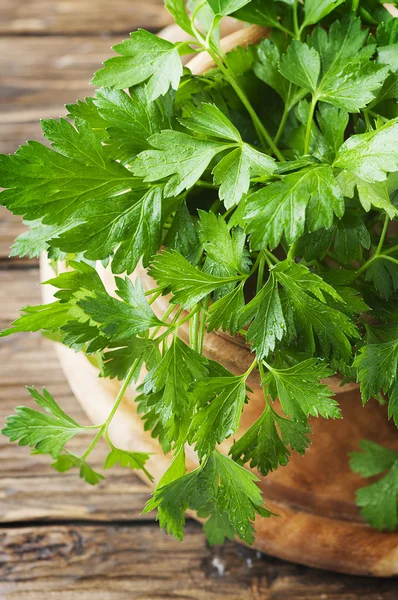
(261, 196)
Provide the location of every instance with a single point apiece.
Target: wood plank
(10, 227)
(68, 17)
(140, 562)
(29, 487)
(40, 75)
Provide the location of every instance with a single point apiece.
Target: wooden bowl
(320, 525)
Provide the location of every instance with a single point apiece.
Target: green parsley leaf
(300, 391)
(49, 185)
(188, 284)
(222, 245)
(47, 431)
(143, 57)
(315, 10)
(384, 275)
(130, 119)
(219, 402)
(179, 157)
(122, 319)
(373, 460)
(226, 7)
(268, 324)
(132, 460)
(370, 156)
(312, 316)
(128, 224)
(333, 122)
(45, 316)
(179, 367)
(258, 13)
(378, 501)
(370, 194)
(264, 447)
(284, 206)
(301, 65)
(34, 241)
(219, 483)
(225, 311)
(65, 462)
(351, 237)
(348, 78)
(117, 362)
(377, 366)
(233, 171)
(177, 9)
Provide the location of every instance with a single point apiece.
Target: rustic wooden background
(60, 538)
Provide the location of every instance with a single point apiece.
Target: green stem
(154, 291)
(383, 235)
(377, 116)
(155, 296)
(355, 6)
(118, 400)
(250, 369)
(273, 258)
(295, 20)
(187, 317)
(391, 250)
(206, 184)
(282, 124)
(164, 317)
(261, 130)
(193, 330)
(375, 257)
(367, 120)
(291, 254)
(309, 125)
(202, 328)
(260, 274)
(262, 373)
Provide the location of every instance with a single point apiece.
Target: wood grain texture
(140, 563)
(68, 17)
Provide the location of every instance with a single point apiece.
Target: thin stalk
(391, 250)
(295, 20)
(272, 258)
(261, 130)
(291, 253)
(262, 373)
(206, 184)
(154, 291)
(187, 317)
(383, 235)
(202, 327)
(309, 125)
(193, 331)
(164, 317)
(118, 400)
(367, 120)
(260, 274)
(372, 260)
(377, 116)
(355, 6)
(282, 125)
(250, 369)
(155, 296)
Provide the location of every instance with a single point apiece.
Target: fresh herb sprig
(261, 196)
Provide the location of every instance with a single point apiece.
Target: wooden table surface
(61, 538)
